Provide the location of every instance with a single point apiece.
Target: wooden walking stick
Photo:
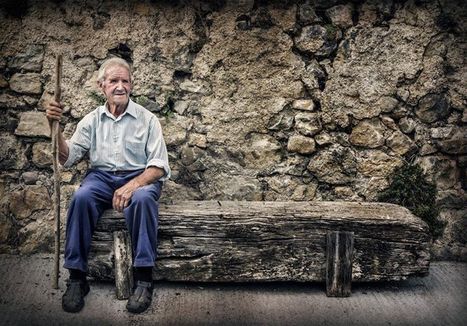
(55, 153)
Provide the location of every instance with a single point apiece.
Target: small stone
(308, 124)
(42, 154)
(12, 153)
(464, 116)
(317, 39)
(301, 144)
(368, 133)
(387, 103)
(198, 140)
(30, 177)
(323, 139)
(442, 132)
(29, 83)
(33, 124)
(341, 15)
(8, 101)
(376, 163)
(388, 122)
(439, 169)
(427, 149)
(181, 106)
(335, 165)
(307, 14)
(282, 121)
(3, 82)
(66, 176)
(407, 125)
(26, 201)
(454, 143)
(399, 143)
(30, 60)
(305, 105)
(432, 107)
(199, 87)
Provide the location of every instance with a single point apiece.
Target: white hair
(111, 63)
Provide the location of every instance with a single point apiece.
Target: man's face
(116, 85)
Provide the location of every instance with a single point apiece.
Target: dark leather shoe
(73, 299)
(141, 298)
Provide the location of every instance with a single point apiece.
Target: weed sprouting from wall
(410, 188)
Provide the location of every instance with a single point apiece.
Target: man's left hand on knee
(122, 195)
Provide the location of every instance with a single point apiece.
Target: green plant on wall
(96, 97)
(410, 188)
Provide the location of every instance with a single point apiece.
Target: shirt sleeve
(156, 149)
(80, 142)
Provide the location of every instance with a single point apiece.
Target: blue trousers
(89, 202)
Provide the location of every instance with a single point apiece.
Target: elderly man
(128, 165)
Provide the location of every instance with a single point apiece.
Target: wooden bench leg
(339, 249)
(123, 264)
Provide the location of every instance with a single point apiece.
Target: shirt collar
(130, 109)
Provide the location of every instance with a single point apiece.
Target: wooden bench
(231, 241)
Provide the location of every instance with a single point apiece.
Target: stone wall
(259, 100)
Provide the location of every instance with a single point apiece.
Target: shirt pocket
(136, 152)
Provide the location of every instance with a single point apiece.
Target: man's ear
(100, 85)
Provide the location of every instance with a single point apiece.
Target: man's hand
(53, 111)
(123, 195)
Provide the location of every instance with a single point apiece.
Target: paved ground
(26, 298)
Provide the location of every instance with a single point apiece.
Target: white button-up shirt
(132, 141)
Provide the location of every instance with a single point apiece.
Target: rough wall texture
(284, 100)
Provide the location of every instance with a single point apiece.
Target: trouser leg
(141, 216)
(86, 207)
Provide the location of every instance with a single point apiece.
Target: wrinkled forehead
(117, 71)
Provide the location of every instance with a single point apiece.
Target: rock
(286, 187)
(3, 82)
(30, 177)
(318, 40)
(198, 87)
(308, 124)
(368, 133)
(12, 153)
(427, 149)
(346, 193)
(24, 202)
(281, 121)
(8, 101)
(36, 236)
(181, 106)
(451, 198)
(262, 152)
(323, 138)
(307, 14)
(439, 169)
(312, 75)
(237, 188)
(42, 154)
(28, 83)
(399, 143)
(304, 105)
(442, 132)
(33, 124)
(432, 107)
(30, 60)
(376, 163)
(336, 165)
(454, 141)
(189, 155)
(388, 122)
(341, 15)
(387, 103)
(407, 125)
(301, 144)
(198, 140)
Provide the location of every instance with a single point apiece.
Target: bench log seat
(239, 241)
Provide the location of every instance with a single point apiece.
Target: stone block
(42, 154)
(301, 144)
(12, 153)
(308, 124)
(304, 105)
(30, 60)
(368, 133)
(28, 83)
(341, 15)
(33, 124)
(24, 202)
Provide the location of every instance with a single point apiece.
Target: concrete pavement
(26, 298)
